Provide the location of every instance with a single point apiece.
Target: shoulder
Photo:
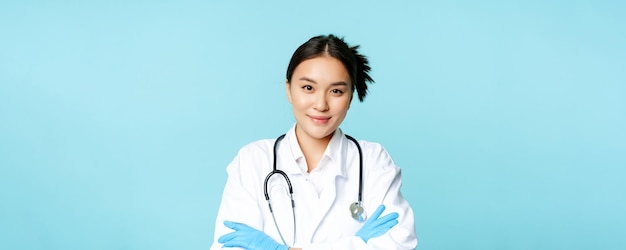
(372, 148)
(253, 154)
(251, 161)
(257, 147)
(376, 155)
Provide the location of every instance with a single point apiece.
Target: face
(320, 93)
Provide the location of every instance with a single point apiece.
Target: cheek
(342, 105)
(300, 102)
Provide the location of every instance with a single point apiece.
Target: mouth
(319, 119)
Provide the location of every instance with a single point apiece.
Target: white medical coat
(323, 220)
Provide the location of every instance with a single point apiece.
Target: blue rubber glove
(375, 226)
(249, 238)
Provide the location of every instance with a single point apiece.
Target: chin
(316, 131)
(323, 135)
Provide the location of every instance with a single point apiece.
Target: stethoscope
(356, 209)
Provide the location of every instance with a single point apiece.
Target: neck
(312, 148)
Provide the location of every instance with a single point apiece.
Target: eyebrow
(304, 78)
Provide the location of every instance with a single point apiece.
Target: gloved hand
(249, 238)
(375, 226)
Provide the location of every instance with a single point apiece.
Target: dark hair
(355, 63)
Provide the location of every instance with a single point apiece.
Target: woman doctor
(337, 202)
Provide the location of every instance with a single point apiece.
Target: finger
(384, 228)
(388, 217)
(227, 237)
(378, 211)
(236, 225)
(237, 243)
(382, 220)
(390, 224)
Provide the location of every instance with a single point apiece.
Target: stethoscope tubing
(359, 198)
(275, 170)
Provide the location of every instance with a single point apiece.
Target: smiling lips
(321, 120)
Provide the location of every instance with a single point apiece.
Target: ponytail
(361, 76)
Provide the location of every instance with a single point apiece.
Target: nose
(321, 104)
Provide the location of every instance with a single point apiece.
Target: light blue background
(118, 118)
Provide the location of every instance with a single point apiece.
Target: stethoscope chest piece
(357, 212)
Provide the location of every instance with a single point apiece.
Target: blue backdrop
(118, 118)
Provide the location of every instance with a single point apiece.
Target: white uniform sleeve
(385, 175)
(237, 203)
(382, 182)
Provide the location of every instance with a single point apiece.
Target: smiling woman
(325, 167)
(320, 98)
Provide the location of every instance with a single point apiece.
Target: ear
(288, 89)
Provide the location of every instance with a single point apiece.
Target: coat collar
(333, 155)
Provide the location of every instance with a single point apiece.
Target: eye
(307, 88)
(337, 91)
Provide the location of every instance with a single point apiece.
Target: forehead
(323, 69)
